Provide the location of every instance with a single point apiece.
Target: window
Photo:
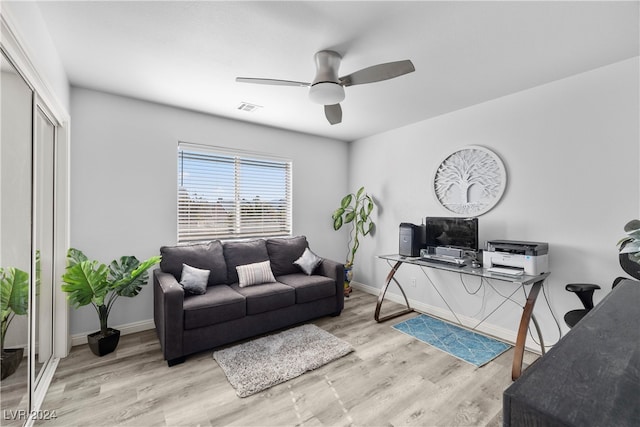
(223, 195)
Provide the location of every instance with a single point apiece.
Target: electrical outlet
(413, 282)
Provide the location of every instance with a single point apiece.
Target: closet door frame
(40, 184)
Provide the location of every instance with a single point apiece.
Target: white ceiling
(188, 53)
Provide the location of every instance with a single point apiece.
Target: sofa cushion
(309, 288)
(242, 253)
(205, 256)
(266, 297)
(219, 304)
(255, 274)
(284, 251)
(194, 280)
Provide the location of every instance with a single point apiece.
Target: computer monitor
(459, 233)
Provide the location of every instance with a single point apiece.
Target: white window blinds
(223, 195)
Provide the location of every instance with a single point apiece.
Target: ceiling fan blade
(378, 73)
(333, 113)
(275, 82)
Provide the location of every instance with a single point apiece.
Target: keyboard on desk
(445, 260)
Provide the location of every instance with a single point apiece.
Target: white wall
(124, 180)
(571, 150)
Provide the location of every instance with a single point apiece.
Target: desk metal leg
(527, 313)
(383, 291)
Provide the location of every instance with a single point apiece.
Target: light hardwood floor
(391, 379)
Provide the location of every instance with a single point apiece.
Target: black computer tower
(412, 239)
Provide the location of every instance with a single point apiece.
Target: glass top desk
(534, 283)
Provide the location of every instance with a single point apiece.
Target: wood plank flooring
(391, 379)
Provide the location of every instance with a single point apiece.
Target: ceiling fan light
(326, 93)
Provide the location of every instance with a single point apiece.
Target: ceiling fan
(328, 89)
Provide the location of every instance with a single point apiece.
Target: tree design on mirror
(470, 181)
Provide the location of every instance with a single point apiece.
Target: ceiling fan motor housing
(326, 88)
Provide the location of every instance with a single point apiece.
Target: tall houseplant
(14, 301)
(91, 282)
(629, 247)
(355, 209)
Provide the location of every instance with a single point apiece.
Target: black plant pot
(103, 344)
(11, 358)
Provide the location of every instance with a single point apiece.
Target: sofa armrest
(335, 271)
(168, 297)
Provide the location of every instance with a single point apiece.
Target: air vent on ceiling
(251, 108)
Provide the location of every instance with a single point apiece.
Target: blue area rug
(459, 342)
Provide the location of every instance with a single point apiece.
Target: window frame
(239, 225)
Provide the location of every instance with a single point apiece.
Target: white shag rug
(264, 362)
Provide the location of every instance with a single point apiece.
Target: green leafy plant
(355, 209)
(14, 298)
(91, 282)
(630, 244)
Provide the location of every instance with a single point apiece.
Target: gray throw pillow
(194, 280)
(308, 261)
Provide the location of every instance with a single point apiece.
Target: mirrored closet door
(28, 281)
(16, 115)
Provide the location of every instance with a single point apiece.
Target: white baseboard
(126, 329)
(498, 332)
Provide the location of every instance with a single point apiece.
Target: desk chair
(584, 291)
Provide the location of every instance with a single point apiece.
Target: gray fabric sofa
(226, 312)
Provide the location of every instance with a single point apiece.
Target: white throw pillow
(255, 274)
(194, 280)
(308, 261)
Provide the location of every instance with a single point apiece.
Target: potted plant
(14, 288)
(629, 247)
(355, 209)
(91, 282)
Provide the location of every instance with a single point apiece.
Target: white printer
(531, 257)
